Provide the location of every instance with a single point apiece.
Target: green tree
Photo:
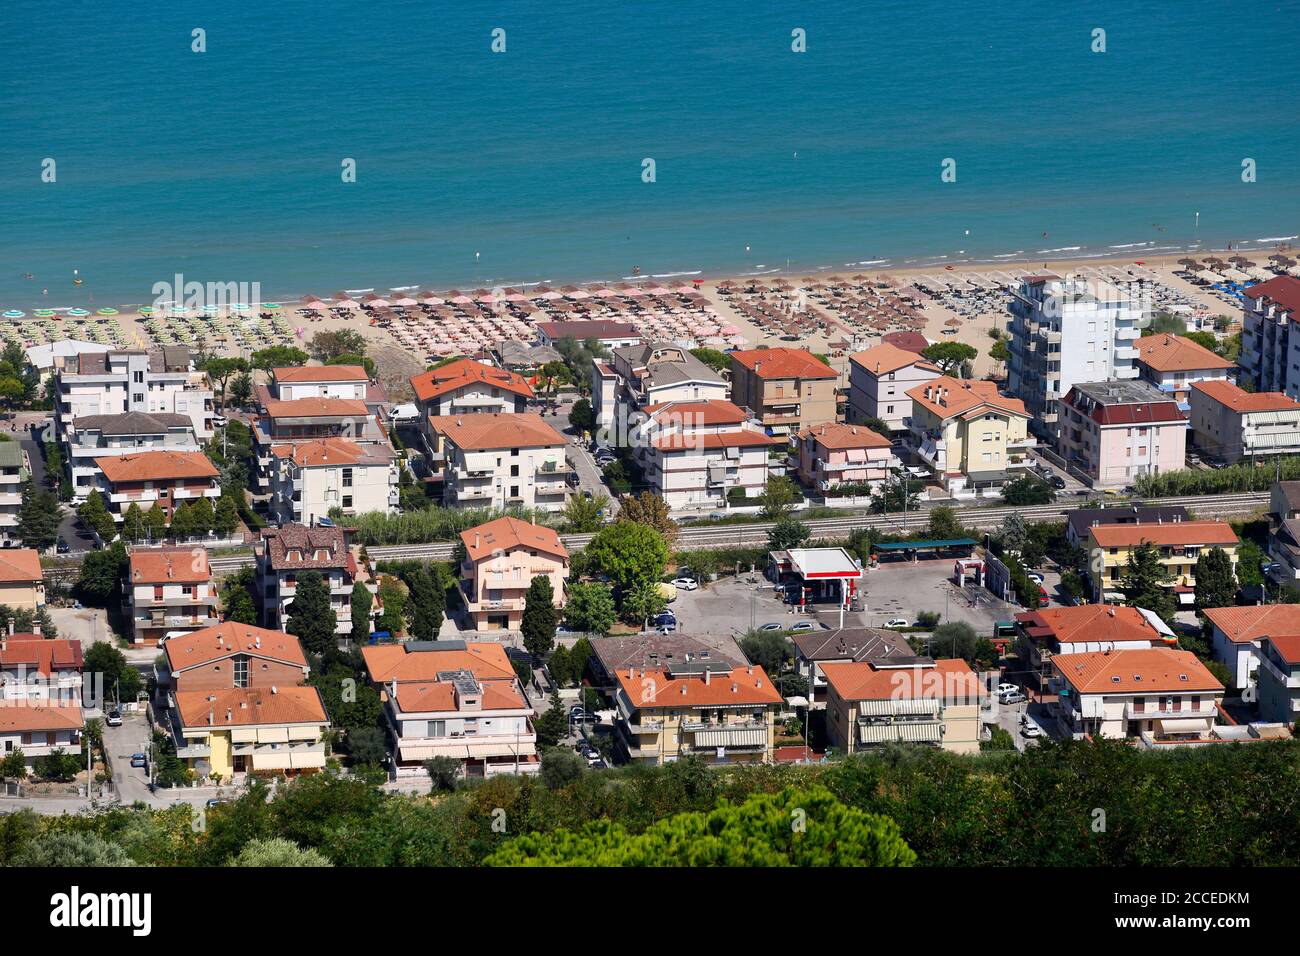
(944, 524)
(627, 553)
(769, 650)
(327, 345)
(540, 617)
(1215, 584)
(367, 745)
(949, 356)
(133, 524)
(780, 496)
(39, 517)
(1143, 580)
(720, 362)
(13, 766)
(311, 618)
(99, 581)
(553, 725)
(237, 602)
(278, 356)
(1014, 534)
(155, 523)
(428, 602)
(241, 390)
(201, 516)
(225, 517)
(999, 352)
(360, 361)
(788, 533)
(642, 602)
(444, 774)
(72, 849)
(757, 832)
(649, 509)
(360, 603)
(589, 607)
(582, 515)
(561, 767)
(393, 596)
(182, 524)
(120, 679)
(999, 739)
(893, 494)
(581, 416)
(220, 371)
(95, 517)
(1028, 490)
(277, 851)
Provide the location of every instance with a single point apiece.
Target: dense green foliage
(1243, 476)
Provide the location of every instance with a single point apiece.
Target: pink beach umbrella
(346, 303)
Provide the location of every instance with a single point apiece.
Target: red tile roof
(225, 640)
(19, 565)
(699, 441)
(250, 706)
(886, 358)
(484, 659)
(1288, 646)
(39, 654)
(948, 397)
(440, 695)
(507, 534)
(321, 451)
(463, 372)
(320, 373)
(1174, 353)
(1164, 534)
(316, 408)
(157, 466)
(655, 687)
(1154, 671)
(25, 716)
(1103, 623)
(483, 431)
(860, 680)
(839, 436)
(1243, 402)
(715, 411)
(170, 566)
(1243, 625)
(1284, 290)
(783, 363)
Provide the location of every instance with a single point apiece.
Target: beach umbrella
(107, 312)
(14, 314)
(270, 305)
(78, 312)
(347, 303)
(44, 313)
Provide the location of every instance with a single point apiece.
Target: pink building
(836, 454)
(501, 559)
(1114, 432)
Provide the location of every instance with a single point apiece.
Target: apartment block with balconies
(1270, 354)
(14, 470)
(502, 558)
(1113, 432)
(283, 554)
(167, 479)
(785, 389)
(309, 479)
(871, 704)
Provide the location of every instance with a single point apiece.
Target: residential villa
(627, 651)
(879, 380)
(467, 387)
(834, 454)
(695, 455)
(92, 437)
(502, 558)
(454, 699)
(970, 435)
(704, 708)
(871, 704)
(309, 479)
(638, 376)
(283, 554)
(290, 421)
(1229, 423)
(165, 478)
(495, 460)
(1178, 544)
(1113, 432)
(1158, 695)
(1235, 633)
(38, 668)
(320, 381)
(1043, 634)
(236, 702)
(22, 582)
(845, 645)
(1174, 363)
(785, 389)
(169, 590)
(37, 728)
(1080, 520)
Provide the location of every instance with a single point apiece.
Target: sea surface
(477, 168)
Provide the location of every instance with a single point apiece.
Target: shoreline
(1066, 257)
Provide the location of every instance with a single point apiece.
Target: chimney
(274, 689)
(36, 627)
(707, 675)
(11, 627)
(392, 689)
(229, 715)
(476, 539)
(1110, 611)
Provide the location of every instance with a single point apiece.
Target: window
(241, 672)
(137, 377)
(347, 501)
(347, 477)
(514, 471)
(889, 409)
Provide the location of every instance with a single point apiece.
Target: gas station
(821, 575)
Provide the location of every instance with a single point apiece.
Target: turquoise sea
(477, 168)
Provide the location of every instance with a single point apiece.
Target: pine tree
(155, 523)
(360, 604)
(1215, 584)
(540, 618)
(1143, 579)
(552, 726)
(311, 619)
(95, 517)
(182, 525)
(38, 517)
(226, 517)
(201, 517)
(133, 524)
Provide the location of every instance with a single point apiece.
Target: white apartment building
(310, 478)
(125, 433)
(163, 381)
(14, 469)
(695, 453)
(1270, 354)
(1229, 423)
(878, 382)
(169, 589)
(37, 668)
(501, 461)
(637, 376)
(1066, 331)
(320, 381)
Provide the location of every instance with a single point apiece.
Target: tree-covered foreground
(1062, 804)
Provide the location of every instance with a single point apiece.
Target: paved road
(132, 737)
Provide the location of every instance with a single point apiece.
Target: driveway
(120, 742)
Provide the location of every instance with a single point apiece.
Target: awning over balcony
(904, 708)
(731, 738)
(1181, 726)
(923, 732)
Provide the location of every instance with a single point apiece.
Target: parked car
(62, 546)
(897, 622)
(807, 626)
(113, 718)
(1005, 688)
(139, 760)
(772, 626)
(1031, 729)
(685, 584)
(1057, 482)
(667, 619)
(1011, 697)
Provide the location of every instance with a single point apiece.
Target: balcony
(1154, 712)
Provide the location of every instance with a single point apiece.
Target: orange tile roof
(483, 431)
(440, 695)
(39, 654)
(1104, 623)
(714, 411)
(1156, 670)
(224, 640)
(19, 564)
(963, 396)
(1288, 645)
(315, 408)
(157, 466)
(692, 441)
(1241, 625)
(886, 358)
(321, 451)
(250, 706)
(320, 373)
(1163, 534)
(783, 363)
(485, 660)
(465, 372)
(1284, 290)
(839, 436)
(1243, 402)
(950, 680)
(655, 687)
(170, 566)
(506, 534)
(24, 716)
(1173, 353)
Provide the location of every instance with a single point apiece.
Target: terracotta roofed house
(168, 590)
(126, 433)
(1179, 545)
(501, 460)
(1229, 423)
(785, 389)
(502, 558)
(165, 478)
(1044, 633)
(835, 454)
(812, 649)
(311, 478)
(469, 387)
(37, 728)
(970, 434)
(874, 703)
(1236, 632)
(22, 582)
(35, 667)
(283, 554)
(879, 379)
(320, 381)
(289, 421)
(1113, 432)
(1174, 363)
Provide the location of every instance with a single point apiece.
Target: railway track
(705, 535)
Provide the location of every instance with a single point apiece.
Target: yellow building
(873, 703)
(21, 581)
(1179, 543)
(696, 707)
(971, 435)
